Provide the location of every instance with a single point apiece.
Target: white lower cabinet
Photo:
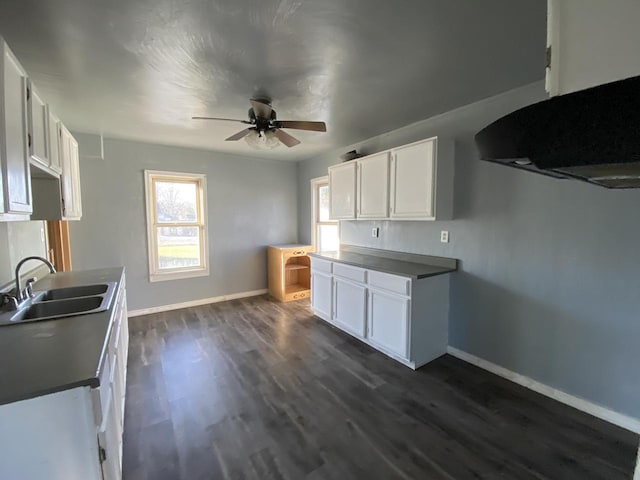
(404, 318)
(73, 434)
(321, 294)
(350, 306)
(388, 321)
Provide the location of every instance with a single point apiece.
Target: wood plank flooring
(256, 389)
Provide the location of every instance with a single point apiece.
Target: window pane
(323, 203)
(328, 238)
(178, 247)
(176, 202)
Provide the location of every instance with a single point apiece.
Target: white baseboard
(624, 421)
(195, 303)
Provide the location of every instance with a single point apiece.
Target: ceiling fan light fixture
(262, 140)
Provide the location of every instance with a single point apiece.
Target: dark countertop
(397, 263)
(48, 356)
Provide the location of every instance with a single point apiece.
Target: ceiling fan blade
(301, 125)
(285, 138)
(239, 135)
(261, 109)
(221, 119)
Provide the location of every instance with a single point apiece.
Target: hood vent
(591, 135)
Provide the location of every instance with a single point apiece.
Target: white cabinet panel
(321, 294)
(70, 178)
(412, 181)
(388, 319)
(342, 191)
(350, 306)
(39, 145)
(54, 143)
(14, 159)
(373, 186)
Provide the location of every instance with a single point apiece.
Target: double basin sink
(63, 302)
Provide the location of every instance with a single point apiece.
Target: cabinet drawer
(321, 265)
(296, 295)
(352, 273)
(296, 252)
(392, 283)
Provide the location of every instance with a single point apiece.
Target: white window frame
(315, 223)
(156, 274)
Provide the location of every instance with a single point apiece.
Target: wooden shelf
(293, 266)
(295, 288)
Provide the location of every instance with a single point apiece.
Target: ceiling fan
(265, 130)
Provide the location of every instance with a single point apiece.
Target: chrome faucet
(19, 296)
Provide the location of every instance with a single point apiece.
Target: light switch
(375, 232)
(444, 236)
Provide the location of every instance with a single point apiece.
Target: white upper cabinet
(373, 186)
(38, 137)
(70, 178)
(342, 191)
(14, 157)
(54, 143)
(412, 181)
(592, 42)
(422, 181)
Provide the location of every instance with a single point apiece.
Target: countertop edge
(440, 270)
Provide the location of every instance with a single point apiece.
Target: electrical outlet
(444, 236)
(375, 232)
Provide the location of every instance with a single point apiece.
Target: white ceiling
(140, 69)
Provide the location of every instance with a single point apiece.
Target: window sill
(161, 277)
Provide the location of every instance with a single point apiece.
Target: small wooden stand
(289, 271)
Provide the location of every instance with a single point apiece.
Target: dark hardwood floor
(255, 389)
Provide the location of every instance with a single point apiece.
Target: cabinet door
(70, 177)
(39, 145)
(110, 442)
(342, 191)
(388, 322)
(321, 293)
(54, 143)
(14, 155)
(373, 186)
(412, 181)
(350, 306)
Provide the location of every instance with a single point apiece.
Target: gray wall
(549, 281)
(251, 204)
(19, 240)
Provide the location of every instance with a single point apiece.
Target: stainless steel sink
(60, 308)
(74, 292)
(63, 302)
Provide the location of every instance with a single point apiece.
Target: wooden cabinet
(350, 306)
(412, 182)
(342, 191)
(373, 186)
(14, 157)
(289, 271)
(404, 318)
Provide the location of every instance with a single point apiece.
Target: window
(176, 225)
(325, 232)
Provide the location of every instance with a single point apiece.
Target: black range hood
(591, 135)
